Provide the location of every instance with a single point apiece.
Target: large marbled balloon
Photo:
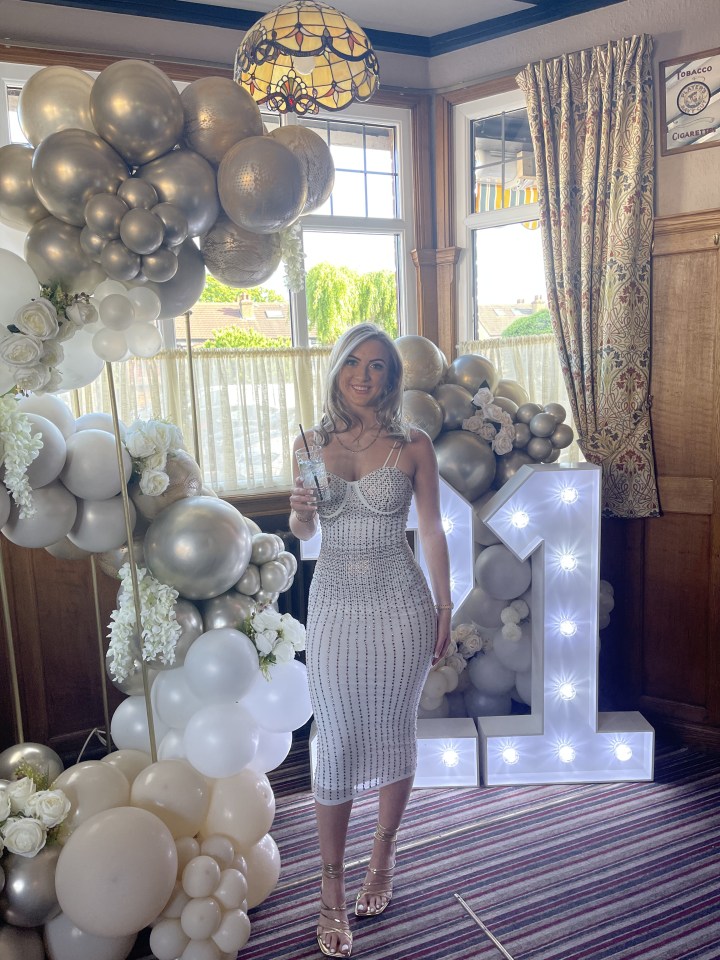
(238, 257)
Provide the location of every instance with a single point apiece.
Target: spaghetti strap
(401, 447)
(396, 446)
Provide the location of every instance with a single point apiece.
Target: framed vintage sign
(690, 102)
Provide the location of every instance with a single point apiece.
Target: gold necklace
(359, 449)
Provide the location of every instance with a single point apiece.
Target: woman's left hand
(443, 635)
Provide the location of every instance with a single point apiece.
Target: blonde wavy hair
(336, 417)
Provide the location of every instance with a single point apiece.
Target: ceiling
(417, 27)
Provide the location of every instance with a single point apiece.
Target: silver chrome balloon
(200, 546)
(526, 411)
(118, 262)
(92, 245)
(456, 404)
(238, 257)
(249, 582)
(187, 180)
(110, 561)
(227, 610)
(43, 758)
(218, 113)
(423, 363)
(557, 410)
(53, 99)
(20, 207)
(315, 158)
(182, 291)
(509, 464)
(141, 231)
(103, 214)
(542, 424)
(466, 462)
(539, 448)
(472, 371)
(138, 194)
(29, 898)
(513, 391)
(137, 109)
(562, 436)
(160, 266)
(70, 167)
(273, 576)
(422, 410)
(264, 547)
(174, 221)
(261, 185)
(53, 251)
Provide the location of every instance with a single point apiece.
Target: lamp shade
(305, 55)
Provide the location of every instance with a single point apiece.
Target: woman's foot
(376, 892)
(333, 930)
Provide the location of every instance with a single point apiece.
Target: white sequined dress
(371, 631)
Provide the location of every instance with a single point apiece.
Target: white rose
(53, 354)
(503, 443)
(19, 791)
(463, 631)
(154, 482)
(54, 384)
(293, 631)
(264, 641)
(156, 461)
(50, 807)
(68, 329)
(4, 804)
(471, 645)
(33, 378)
(81, 313)
(38, 319)
(482, 397)
(284, 652)
(456, 662)
(267, 619)
(25, 836)
(137, 441)
(20, 350)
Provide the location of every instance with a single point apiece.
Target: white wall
(686, 182)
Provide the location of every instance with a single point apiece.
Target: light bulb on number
(450, 757)
(623, 751)
(566, 752)
(510, 755)
(569, 495)
(568, 628)
(566, 690)
(447, 524)
(519, 519)
(567, 562)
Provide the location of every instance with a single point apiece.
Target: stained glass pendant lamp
(305, 55)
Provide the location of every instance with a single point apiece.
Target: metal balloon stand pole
(131, 558)
(101, 652)
(17, 707)
(193, 394)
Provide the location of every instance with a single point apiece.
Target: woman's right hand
(303, 502)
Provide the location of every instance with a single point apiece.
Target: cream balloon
(128, 762)
(64, 941)
(175, 792)
(167, 939)
(116, 872)
(91, 786)
(17, 943)
(263, 870)
(201, 876)
(233, 932)
(242, 808)
(422, 362)
(232, 889)
(53, 99)
(221, 849)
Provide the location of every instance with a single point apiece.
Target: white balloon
(221, 665)
(110, 345)
(116, 311)
(55, 513)
(144, 339)
(146, 303)
(172, 745)
(18, 283)
(501, 574)
(52, 408)
(99, 421)
(91, 467)
(64, 941)
(50, 460)
(129, 725)
(272, 749)
(106, 288)
(80, 365)
(173, 699)
(221, 739)
(488, 675)
(516, 655)
(283, 702)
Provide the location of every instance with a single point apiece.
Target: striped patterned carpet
(578, 872)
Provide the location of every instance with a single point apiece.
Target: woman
(372, 629)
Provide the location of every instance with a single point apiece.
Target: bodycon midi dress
(371, 631)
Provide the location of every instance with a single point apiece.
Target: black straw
(317, 482)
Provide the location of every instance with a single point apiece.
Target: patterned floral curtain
(591, 119)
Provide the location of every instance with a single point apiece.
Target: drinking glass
(312, 469)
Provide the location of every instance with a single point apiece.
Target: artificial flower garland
(19, 446)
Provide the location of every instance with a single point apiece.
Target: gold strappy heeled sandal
(378, 880)
(334, 919)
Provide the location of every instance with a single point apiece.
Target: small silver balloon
(315, 158)
(227, 610)
(522, 436)
(249, 582)
(542, 425)
(552, 457)
(174, 221)
(261, 185)
(539, 448)
(138, 194)
(526, 411)
(53, 99)
(472, 371)
(218, 113)
(191, 622)
(200, 546)
(133, 684)
(273, 576)
(160, 266)
(421, 410)
(509, 406)
(92, 245)
(265, 597)
(20, 207)
(53, 251)
(103, 214)
(70, 167)
(238, 257)
(509, 464)
(557, 410)
(141, 231)
(264, 547)
(562, 436)
(118, 262)
(110, 561)
(42, 758)
(513, 391)
(181, 291)
(466, 462)
(187, 180)
(137, 109)
(456, 404)
(289, 562)
(29, 898)
(423, 363)
(252, 526)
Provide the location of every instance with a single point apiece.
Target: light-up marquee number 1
(553, 512)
